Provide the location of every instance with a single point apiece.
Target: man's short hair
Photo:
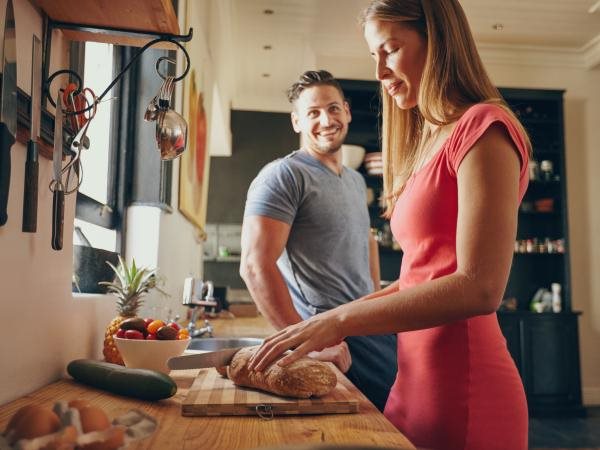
(312, 78)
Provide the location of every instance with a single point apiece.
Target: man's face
(322, 116)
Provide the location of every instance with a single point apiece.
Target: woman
(455, 171)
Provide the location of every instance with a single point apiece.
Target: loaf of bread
(304, 378)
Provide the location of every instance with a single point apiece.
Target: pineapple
(129, 286)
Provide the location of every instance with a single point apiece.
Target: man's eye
(312, 114)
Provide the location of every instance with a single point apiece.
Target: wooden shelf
(146, 16)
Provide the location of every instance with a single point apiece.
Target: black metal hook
(125, 69)
(161, 59)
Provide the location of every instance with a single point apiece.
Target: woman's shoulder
(478, 117)
(480, 111)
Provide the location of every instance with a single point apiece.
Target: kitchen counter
(367, 427)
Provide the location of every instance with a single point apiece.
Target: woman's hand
(314, 334)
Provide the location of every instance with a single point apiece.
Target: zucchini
(139, 383)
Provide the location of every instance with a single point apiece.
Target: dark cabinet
(545, 348)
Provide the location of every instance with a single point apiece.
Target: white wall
(42, 325)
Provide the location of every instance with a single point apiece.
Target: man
(306, 243)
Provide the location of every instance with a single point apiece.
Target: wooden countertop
(367, 427)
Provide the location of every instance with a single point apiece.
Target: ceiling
(311, 34)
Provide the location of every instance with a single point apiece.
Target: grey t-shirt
(326, 259)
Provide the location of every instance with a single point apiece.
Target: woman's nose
(381, 70)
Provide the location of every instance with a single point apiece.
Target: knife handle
(58, 217)
(30, 195)
(6, 142)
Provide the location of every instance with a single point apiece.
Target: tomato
(174, 325)
(184, 331)
(151, 337)
(148, 321)
(121, 333)
(155, 325)
(134, 334)
(182, 337)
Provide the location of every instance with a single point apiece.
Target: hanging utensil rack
(155, 39)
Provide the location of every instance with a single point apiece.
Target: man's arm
(263, 242)
(374, 263)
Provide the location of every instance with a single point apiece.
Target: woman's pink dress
(457, 386)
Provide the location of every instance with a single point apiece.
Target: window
(95, 223)
(98, 223)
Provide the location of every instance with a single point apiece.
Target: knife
(58, 191)
(30, 196)
(8, 107)
(210, 359)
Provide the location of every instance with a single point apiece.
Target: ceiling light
(595, 7)
(498, 27)
(268, 11)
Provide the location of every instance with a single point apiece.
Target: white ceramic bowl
(142, 354)
(352, 155)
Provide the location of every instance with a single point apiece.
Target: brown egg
(17, 416)
(93, 419)
(32, 423)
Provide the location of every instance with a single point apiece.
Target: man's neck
(332, 160)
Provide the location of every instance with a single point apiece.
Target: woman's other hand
(338, 355)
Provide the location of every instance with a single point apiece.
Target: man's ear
(295, 120)
(347, 108)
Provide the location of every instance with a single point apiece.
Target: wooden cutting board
(213, 395)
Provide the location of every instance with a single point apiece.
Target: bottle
(556, 298)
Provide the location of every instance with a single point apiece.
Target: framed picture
(193, 166)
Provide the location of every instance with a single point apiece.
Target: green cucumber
(139, 383)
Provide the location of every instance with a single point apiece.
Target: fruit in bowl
(130, 285)
(148, 343)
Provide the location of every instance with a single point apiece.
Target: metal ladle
(171, 134)
(171, 127)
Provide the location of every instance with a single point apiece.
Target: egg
(17, 416)
(32, 421)
(93, 419)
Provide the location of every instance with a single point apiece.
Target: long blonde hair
(453, 79)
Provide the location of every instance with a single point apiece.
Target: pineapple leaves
(131, 282)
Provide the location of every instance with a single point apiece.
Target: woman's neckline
(439, 151)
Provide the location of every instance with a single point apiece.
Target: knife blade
(58, 192)
(210, 359)
(8, 106)
(30, 196)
